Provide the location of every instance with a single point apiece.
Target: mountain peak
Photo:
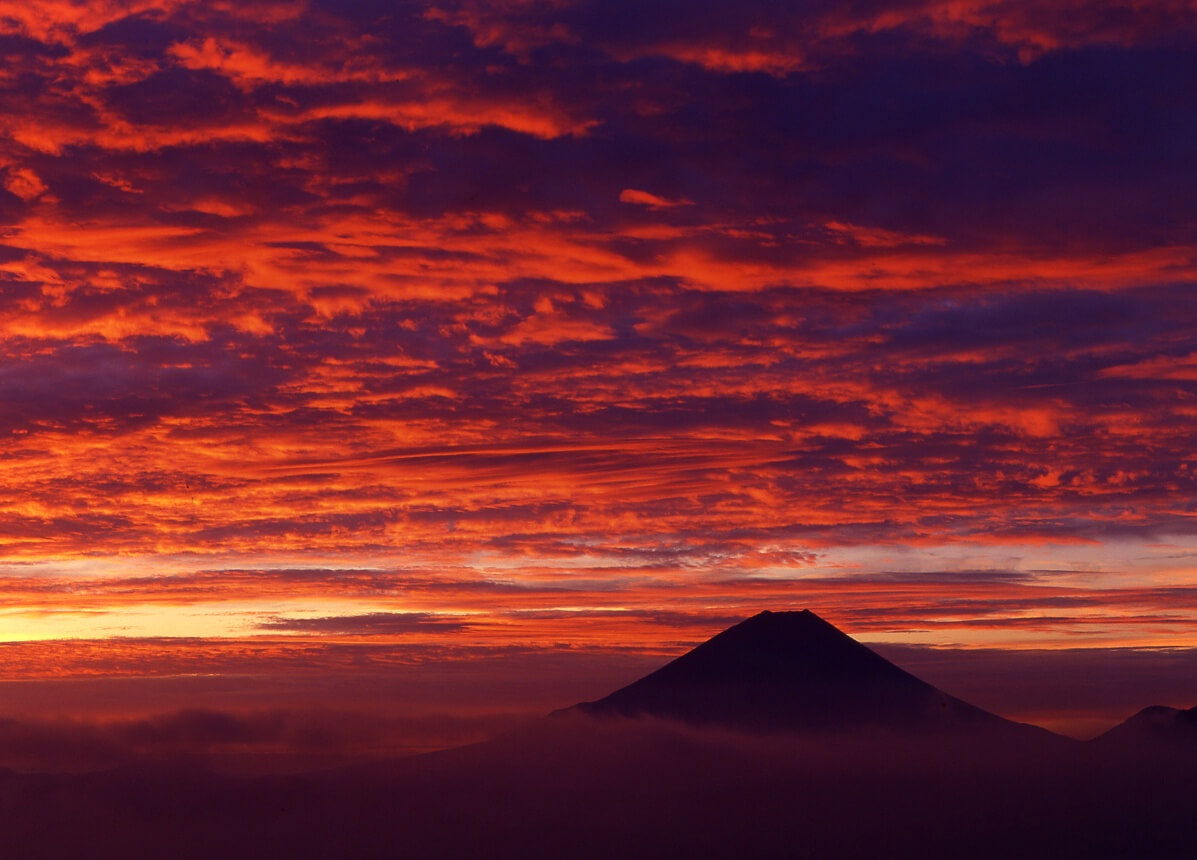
(792, 671)
(777, 647)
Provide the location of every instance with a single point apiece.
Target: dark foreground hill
(1156, 729)
(591, 783)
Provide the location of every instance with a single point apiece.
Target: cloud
(257, 740)
(505, 302)
(373, 623)
(652, 201)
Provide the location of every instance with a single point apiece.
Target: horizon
(261, 740)
(391, 372)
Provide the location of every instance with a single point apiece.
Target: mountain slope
(1157, 728)
(792, 671)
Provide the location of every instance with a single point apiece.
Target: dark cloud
(370, 624)
(954, 577)
(663, 618)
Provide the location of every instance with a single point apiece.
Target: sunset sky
(488, 353)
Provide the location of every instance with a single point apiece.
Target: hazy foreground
(781, 737)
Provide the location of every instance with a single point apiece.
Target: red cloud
(653, 201)
(498, 314)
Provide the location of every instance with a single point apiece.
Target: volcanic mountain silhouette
(794, 672)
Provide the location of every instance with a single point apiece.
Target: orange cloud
(325, 338)
(653, 201)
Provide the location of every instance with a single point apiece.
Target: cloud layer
(491, 324)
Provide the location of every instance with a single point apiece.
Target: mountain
(794, 672)
(1157, 727)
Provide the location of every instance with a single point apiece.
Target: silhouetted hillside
(1157, 727)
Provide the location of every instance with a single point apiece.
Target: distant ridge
(1156, 727)
(793, 671)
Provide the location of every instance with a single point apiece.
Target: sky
(470, 358)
